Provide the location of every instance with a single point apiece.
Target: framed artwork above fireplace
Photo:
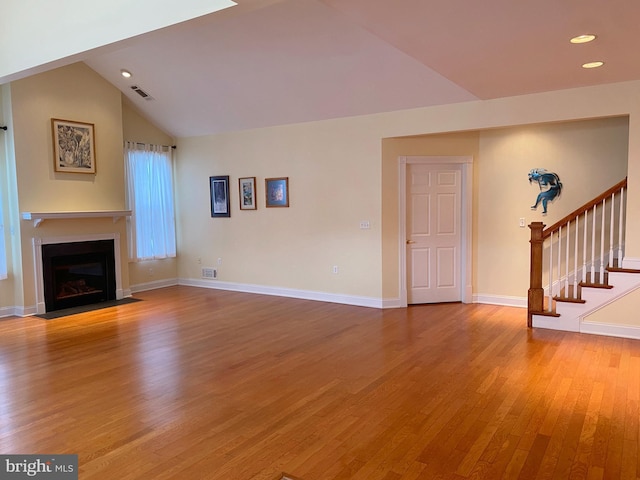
(73, 146)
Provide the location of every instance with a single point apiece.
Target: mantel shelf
(39, 217)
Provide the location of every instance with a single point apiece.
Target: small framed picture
(247, 188)
(277, 191)
(219, 190)
(74, 148)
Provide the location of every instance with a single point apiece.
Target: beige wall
(136, 128)
(334, 180)
(589, 156)
(72, 93)
(342, 171)
(446, 144)
(621, 312)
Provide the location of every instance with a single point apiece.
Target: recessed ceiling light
(586, 38)
(592, 65)
(125, 73)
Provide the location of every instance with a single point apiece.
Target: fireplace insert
(78, 273)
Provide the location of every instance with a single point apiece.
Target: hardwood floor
(202, 384)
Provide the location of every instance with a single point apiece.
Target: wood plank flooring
(201, 384)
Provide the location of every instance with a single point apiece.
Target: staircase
(576, 265)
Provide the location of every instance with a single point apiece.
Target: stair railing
(576, 251)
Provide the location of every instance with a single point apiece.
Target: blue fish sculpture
(550, 187)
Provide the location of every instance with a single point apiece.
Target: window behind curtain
(152, 232)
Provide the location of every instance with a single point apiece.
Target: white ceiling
(270, 62)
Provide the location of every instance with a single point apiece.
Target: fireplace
(78, 273)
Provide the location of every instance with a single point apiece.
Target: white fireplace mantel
(39, 217)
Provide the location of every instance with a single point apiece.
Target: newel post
(535, 301)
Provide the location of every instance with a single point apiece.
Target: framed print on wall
(277, 191)
(73, 146)
(219, 191)
(247, 187)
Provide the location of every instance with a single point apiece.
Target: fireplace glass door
(77, 274)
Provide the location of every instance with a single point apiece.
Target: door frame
(466, 162)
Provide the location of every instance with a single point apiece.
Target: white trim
(37, 261)
(285, 292)
(466, 267)
(633, 263)
(624, 331)
(39, 217)
(504, 300)
(392, 303)
(142, 287)
(18, 311)
(7, 312)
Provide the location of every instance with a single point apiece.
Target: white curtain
(3, 251)
(152, 233)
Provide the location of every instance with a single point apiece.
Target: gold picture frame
(74, 148)
(276, 192)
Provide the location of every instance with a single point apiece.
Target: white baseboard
(7, 312)
(18, 311)
(286, 292)
(141, 287)
(392, 303)
(624, 331)
(503, 300)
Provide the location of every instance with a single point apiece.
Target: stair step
(569, 300)
(546, 314)
(595, 285)
(623, 270)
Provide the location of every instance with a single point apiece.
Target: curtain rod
(164, 146)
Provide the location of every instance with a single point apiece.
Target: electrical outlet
(219, 261)
(522, 222)
(334, 270)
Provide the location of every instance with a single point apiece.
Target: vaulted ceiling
(270, 62)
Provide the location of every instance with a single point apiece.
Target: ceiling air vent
(141, 92)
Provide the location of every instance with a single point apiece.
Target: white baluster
(575, 259)
(559, 259)
(611, 228)
(584, 248)
(593, 247)
(550, 290)
(602, 243)
(566, 262)
(620, 227)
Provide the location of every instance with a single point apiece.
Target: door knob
(410, 242)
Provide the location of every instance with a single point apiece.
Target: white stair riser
(572, 314)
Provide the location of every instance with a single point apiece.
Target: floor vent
(209, 273)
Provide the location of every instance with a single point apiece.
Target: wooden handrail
(617, 187)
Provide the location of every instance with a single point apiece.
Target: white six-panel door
(434, 237)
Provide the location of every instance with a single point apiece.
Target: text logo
(39, 467)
